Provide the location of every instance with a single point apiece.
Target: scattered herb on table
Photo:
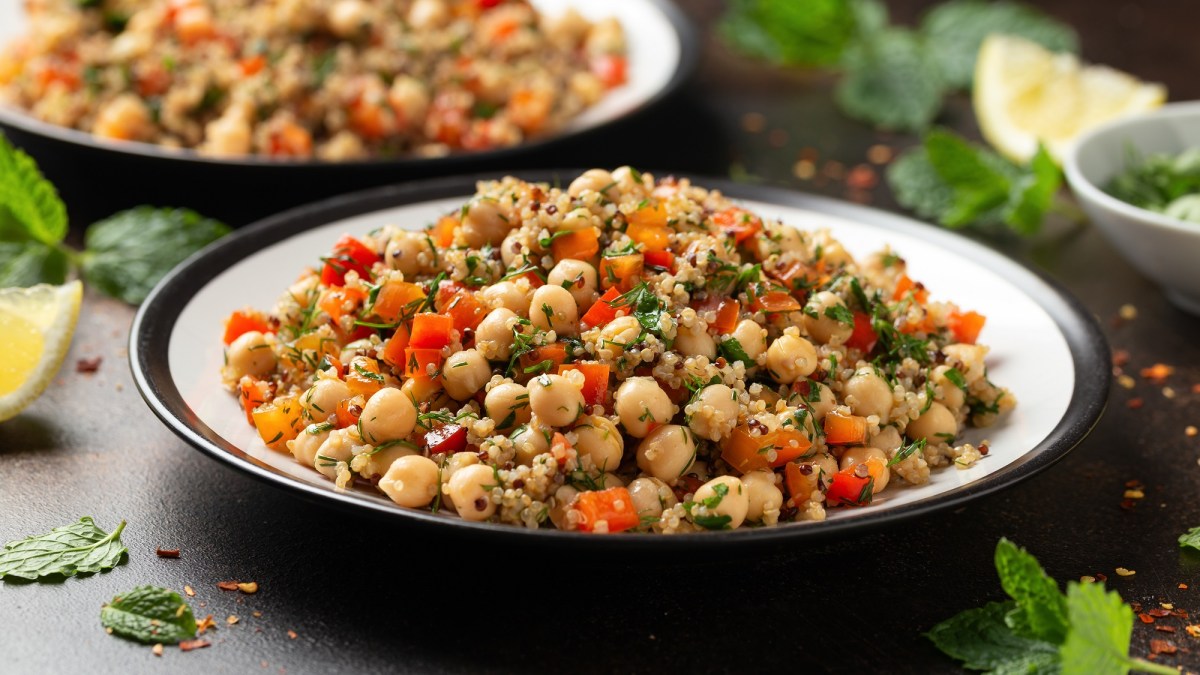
(1163, 183)
(1041, 629)
(960, 184)
(78, 548)
(1191, 538)
(125, 254)
(149, 614)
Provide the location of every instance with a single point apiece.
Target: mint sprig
(1042, 630)
(125, 256)
(78, 548)
(149, 614)
(1191, 539)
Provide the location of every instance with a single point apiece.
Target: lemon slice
(36, 325)
(1025, 93)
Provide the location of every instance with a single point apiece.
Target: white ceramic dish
(1044, 346)
(1164, 249)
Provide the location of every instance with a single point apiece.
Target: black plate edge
(156, 317)
(689, 56)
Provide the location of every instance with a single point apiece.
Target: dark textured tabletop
(338, 593)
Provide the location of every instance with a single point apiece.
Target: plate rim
(155, 320)
(689, 56)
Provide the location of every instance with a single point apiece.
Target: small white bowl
(1164, 249)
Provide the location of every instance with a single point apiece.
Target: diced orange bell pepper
(648, 227)
(459, 303)
(737, 223)
(610, 68)
(727, 317)
(799, 485)
(966, 326)
(745, 452)
(363, 377)
(905, 284)
(393, 298)
(797, 277)
(845, 429)
(252, 393)
(601, 311)
(595, 380)
(338, 301)
(442, 232)
(244, 321)
(278, 422)
(347, 413)
(252, 65)
(776, 301)
(789, 444)
(431, 331)
(393, 351)
(554, 353)
(622, 272)
(579, 245)
(417, 362)
(608, 510)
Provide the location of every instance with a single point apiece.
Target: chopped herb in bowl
(1163, 183)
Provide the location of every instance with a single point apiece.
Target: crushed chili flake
(1196, 388)
(189, 645)
(1128, 504)
(879, 154)
(1127, 312)
(292, 634)
(1126, 382)
(1120, 357)
(256, 614)
(1087, 579)
(1168, 392)
(1157, 373)
(1166, 605)
(1181, 613)
(862, 177)
(1134, 494)
(1165, 629)
(804, 169)
(88, 365)
(167, 552)
(1190, 431)
(1146, 618)
(1183, 587)
(1135, 483)
(1162, 647)
(248, 587)
(204, 624)
(1125, 572)
(1134, 403)
(191, 592)
(1193, 630)
(1101, 576)
(157, 649)
(1158, 613)
(231, 619)
(227, 585)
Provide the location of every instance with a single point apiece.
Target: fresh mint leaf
(149, 614)
(917, 185)
(1041, 608)
(126, 254)
(1190, 538)
(1031, 195)
(890, 82)
(955, 30)
(870, 17)
(29, 205)
(810, 33)
(978, 185)
(1098, 641)
(982, 640)
(79, 548)
(28, 263)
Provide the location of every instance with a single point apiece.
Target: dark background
(366, 596)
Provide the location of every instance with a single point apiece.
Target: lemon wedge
(1025, 93)
(36, 325)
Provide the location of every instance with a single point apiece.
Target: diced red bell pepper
(459, 303)
(845, 429)
(595, 380)
(776, 301)
(611, 69)
(393, 351)
(417, 362)
(966, 326)
(446, 439)
(727, 317)
(737, 223)
(244, 321)
(431, 331)
(442, 233)
(555, 353)
(849, 489)
(347, 413)
(612, 507)
(348, 254)
(863, 336)
(663, 260)
(601, 311)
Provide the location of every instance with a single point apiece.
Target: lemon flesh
(36, 326)
(1025, 94)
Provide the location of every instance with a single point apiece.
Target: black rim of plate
(689, 52)
(155, 321)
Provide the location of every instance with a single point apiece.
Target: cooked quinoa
(332, 79)
(628, 353)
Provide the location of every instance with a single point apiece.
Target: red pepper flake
(1158, 373)
(1134, 484)
(1128, 504)
(1165, 629)
(1120, 357)
(167, 552)
(227, 585)
(1183, 587)
(88, 365)
(292, 635)
(777, 138)
(1146, 618)
(1196, 388)
(1134, 403)
(1162, 647)
(189, 645)
(984, 449)
(204, 624)
(1181, 613)
(1159, 613)
(1101, 576)
(862, 177)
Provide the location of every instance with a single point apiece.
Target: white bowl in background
(1166, 250)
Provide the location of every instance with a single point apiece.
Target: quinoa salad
(625, 353)
(326, 79)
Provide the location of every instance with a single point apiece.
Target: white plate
(661, 49)
(1044, 347)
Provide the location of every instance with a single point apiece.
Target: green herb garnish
(78, 548)
(149, 614)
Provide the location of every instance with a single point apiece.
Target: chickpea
(951, 396)
(470, 489)
(578, 219)
(403, 252)
(336, 448)
(594, 180)
(735, 503)
(859, 454)
(887, 439)
(321, 399)
(752, 337)
(936, 425)
(555, 400)
(305, 446)
(531, 441)
(505, 401)
(250, 354)
(715, 413)
(651, 496)
(494, 335)
(667, 452)
(872, 395)
(578, 277)
(371, 465)
(695, 341)
(641, 405)
(553, 308)
(832, 251)
(820, 465)
(790, 358)
(388, 415)
(485, 223)
(427, 14)
(514, 250)
(968, 358)
(349, 18)
(465, 373)
(618, 333)
(409, 98)
(598, 438)
(762, 495)
(627, 183)
(825, 328)
(507, 294)
(609, 480)
(126, 118)
(823, 400)
(411, 481)
(561, 504)
(229, 135)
